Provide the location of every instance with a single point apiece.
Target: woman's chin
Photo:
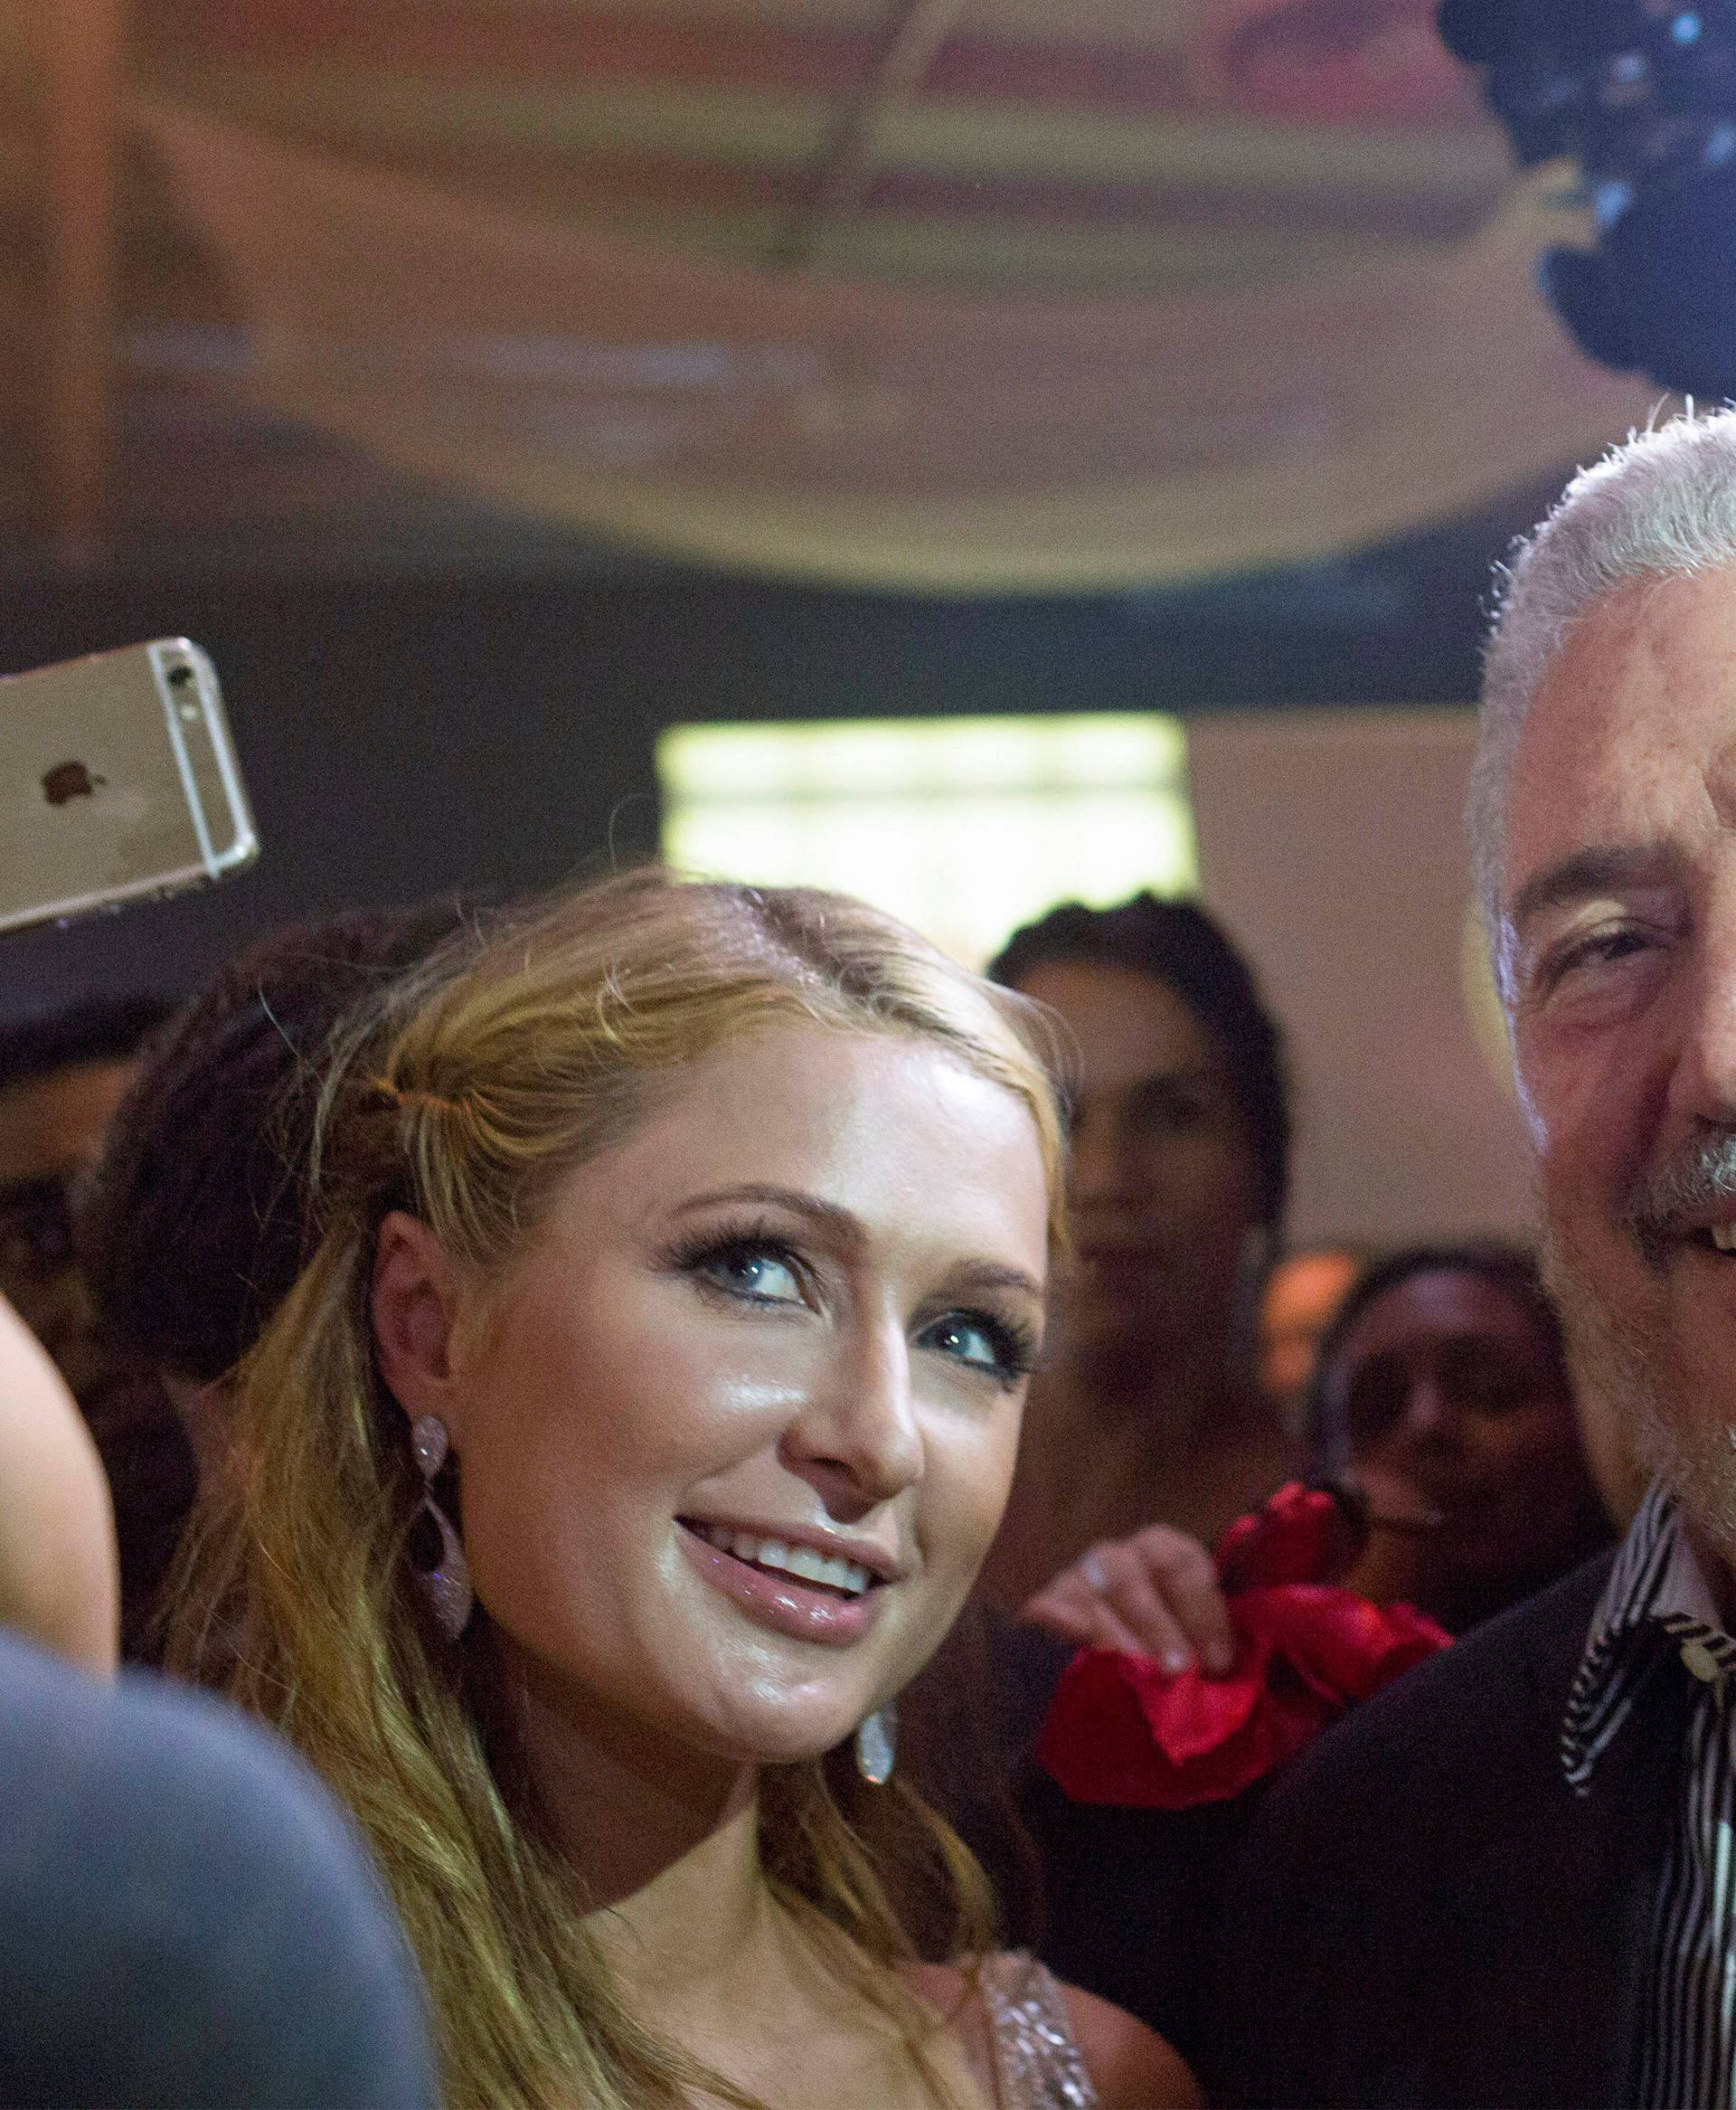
(764, 1728)
(784, 1743)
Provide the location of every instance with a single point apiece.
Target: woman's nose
(857, 1439)
(1428, 1408)
(1102, 1164)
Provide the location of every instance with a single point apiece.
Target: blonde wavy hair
(480, 1081)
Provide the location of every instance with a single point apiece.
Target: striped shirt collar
(1656, 1589)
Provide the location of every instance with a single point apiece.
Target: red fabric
(1122, 1730)
(1302, 1535)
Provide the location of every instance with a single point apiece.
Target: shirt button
(1700, 1659)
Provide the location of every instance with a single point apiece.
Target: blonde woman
(633, 1436)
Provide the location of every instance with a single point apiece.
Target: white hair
(1662, 506)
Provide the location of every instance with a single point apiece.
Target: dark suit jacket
(1424, 1914)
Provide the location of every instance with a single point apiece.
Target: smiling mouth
(847, 1579)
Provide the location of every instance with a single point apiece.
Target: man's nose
(1703, 1079)
(857, 1439)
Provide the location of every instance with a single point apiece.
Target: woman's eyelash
(1018, 1352)
(733, 1242)
(1016, 1348)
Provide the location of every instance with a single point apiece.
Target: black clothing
(187, 1917)
(1117, 1901)
(1425, 1914)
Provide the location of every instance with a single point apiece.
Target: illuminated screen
(964, 826)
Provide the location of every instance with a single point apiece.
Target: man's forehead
(1631, 737)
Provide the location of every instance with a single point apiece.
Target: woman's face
(1458, 1419)
(1162, 1186)
(784, 1326)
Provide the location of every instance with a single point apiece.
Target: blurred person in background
(1441, 1395)
(190, 1226)
(1149, 1405)
(62, 1076)
(1442, 1391)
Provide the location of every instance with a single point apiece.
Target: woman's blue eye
(984, 1344)
(753, 1271)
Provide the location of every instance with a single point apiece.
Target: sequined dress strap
(1037, 2066)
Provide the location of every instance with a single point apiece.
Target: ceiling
(1136, 148)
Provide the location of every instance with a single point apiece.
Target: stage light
(1642, 95)
(964, 826)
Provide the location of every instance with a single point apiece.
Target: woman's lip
(1404, 1522)
(835, 1545)
(785, 1604)
(1406, 1510)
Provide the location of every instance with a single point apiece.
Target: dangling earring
(446, 1584)
(876, 1742)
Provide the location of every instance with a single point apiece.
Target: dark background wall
(411, 733)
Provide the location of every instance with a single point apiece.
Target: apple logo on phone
(68, 780)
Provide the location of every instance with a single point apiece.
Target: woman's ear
(413, 1305)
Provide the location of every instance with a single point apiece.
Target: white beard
(1619, 1364)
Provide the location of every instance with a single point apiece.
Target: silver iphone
(118, 780)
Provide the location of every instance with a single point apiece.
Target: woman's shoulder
(1131, 2066)
(1025, 2028)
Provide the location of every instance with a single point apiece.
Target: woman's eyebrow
(840, 1222)
(847, 1228)
(988, 1275)
(1181, 1076)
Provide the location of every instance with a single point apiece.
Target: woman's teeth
(1723, 1237)
(800, 1561)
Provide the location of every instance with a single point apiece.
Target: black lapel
(1576, 1878)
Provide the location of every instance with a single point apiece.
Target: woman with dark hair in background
(190, 1226)
(1442, 1391)
(1149, 1405)
(1442, 1397)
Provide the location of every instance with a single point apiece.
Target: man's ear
(413, 1305)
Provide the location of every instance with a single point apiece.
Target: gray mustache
(1664, 1199)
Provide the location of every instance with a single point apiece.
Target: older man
(1511, 1880)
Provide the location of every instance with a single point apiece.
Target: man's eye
(1591, 955)
(1606, 949)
